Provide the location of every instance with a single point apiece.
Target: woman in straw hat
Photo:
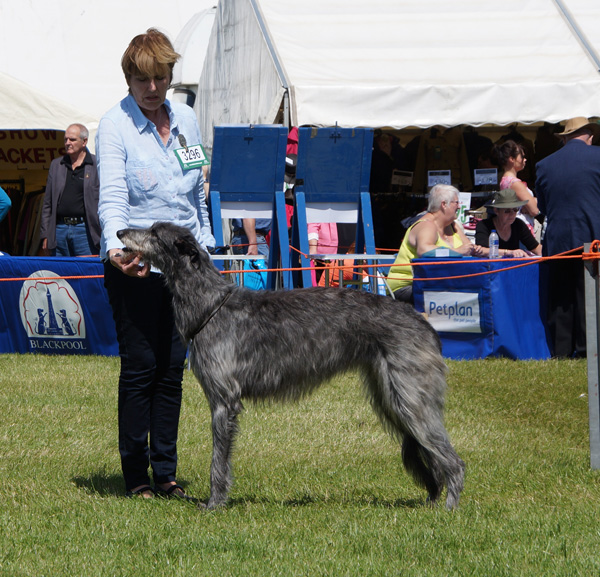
(512, 232)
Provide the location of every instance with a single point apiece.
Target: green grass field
(320, 489)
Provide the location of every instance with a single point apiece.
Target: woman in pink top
(322, 239)
(510, 157)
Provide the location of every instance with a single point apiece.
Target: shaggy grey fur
(283, 344)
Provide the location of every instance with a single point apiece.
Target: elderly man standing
(69, 223)
(568, 190)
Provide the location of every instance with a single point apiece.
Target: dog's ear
(187, 247)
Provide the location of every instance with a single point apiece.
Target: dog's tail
(434, 471)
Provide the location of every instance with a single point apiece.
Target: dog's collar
(191, 335)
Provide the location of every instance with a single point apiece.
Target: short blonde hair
(149, 55)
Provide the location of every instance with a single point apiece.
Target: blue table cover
(480, 315)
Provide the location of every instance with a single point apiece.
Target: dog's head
(162, 245)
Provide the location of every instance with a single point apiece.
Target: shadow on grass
(108, 484)
(308, 500)
(101, 483)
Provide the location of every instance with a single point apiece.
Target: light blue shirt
(141, 180)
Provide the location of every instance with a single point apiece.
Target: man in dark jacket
(568, 190)
(69, 223)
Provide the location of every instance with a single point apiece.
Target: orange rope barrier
(594, 254)
(36, 278)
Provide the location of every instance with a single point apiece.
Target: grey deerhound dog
(283, 344)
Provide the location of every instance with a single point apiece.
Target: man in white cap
(568, 191)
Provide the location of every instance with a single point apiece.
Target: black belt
(70, 220)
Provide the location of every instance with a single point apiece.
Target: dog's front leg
(224, 429)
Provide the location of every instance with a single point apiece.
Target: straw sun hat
(506, 198)
(575, 124)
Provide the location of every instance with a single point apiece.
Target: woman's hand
(469, 249)
(477, 250)
(128, 263)
(517, 253)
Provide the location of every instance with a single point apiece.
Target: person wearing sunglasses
(435, 229)
(513, 233)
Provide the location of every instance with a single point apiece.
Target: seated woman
(435, 229)
(512, 231)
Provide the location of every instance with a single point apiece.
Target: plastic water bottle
(494, 244)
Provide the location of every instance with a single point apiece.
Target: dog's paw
(212, 505)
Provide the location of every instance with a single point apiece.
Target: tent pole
(286, 109)
(575, 28)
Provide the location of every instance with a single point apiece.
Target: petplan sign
(453, 312)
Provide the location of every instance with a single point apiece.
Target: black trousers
(566, 307)
(152, 362)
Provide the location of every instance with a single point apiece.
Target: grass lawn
(320, 488)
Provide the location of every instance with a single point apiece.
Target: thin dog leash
(211, 315)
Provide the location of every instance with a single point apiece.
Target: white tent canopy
(71, 51)
(401, 63)
(23, 107)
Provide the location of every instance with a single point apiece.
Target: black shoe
(173, 492)
(140, 492)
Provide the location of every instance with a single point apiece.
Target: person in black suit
(568, 190)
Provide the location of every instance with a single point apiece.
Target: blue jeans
(73, 240)
(262, 246)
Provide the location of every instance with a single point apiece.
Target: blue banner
(55, 306)
(482, 308)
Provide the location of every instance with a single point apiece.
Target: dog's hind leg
(421, 468)
(433, 462)
(415, 418)
(455, 477)
(224, 430)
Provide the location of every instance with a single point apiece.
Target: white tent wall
(192, 44)
(240, 82)
(401, 63)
